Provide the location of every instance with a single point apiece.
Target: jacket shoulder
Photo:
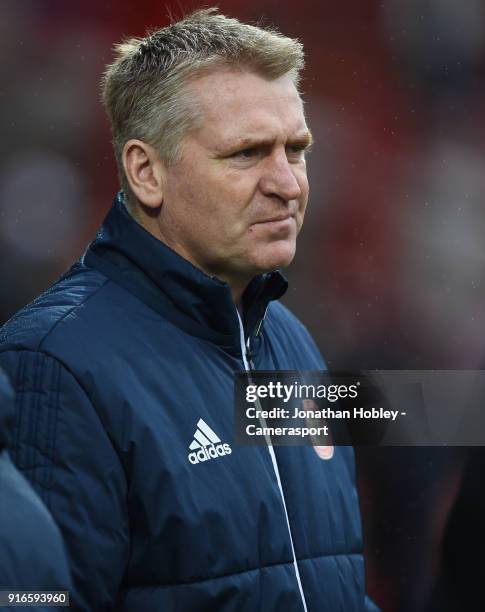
(29, 328)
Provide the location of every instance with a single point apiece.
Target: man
(125, 366)
(32, 555)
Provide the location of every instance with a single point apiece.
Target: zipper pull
(249, 353)
(260, 324)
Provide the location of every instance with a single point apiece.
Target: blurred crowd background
(390, 266)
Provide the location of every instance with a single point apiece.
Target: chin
(279, 255)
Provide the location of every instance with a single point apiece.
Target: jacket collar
(201, 305)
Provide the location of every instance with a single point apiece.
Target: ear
(144, 170)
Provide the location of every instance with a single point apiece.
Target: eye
(297, 152)
(246, 153)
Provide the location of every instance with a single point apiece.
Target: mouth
(276, 219)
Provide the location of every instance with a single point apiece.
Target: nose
(279, 179)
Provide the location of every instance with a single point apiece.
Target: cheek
(303, 200)
(192, 198)
(302, 179)
(216, 200)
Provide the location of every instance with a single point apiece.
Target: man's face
(234, 203)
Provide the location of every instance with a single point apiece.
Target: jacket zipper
(249, 366)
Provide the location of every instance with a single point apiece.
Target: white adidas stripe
(204, 436)
(202, 425)
(199, 436)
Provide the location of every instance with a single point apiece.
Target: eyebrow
(304, 140)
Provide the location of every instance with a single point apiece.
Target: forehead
(237, 103)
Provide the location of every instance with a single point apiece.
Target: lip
(277, 219)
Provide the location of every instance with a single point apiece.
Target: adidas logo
(206, 445)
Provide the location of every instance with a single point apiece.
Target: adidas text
(210, 452)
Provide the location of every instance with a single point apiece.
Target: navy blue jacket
(118, 366)
(32, 555)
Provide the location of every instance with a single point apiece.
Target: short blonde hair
(145, 88)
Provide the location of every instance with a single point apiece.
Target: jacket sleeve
(62, 447)
(370, 606)
(32, 554)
